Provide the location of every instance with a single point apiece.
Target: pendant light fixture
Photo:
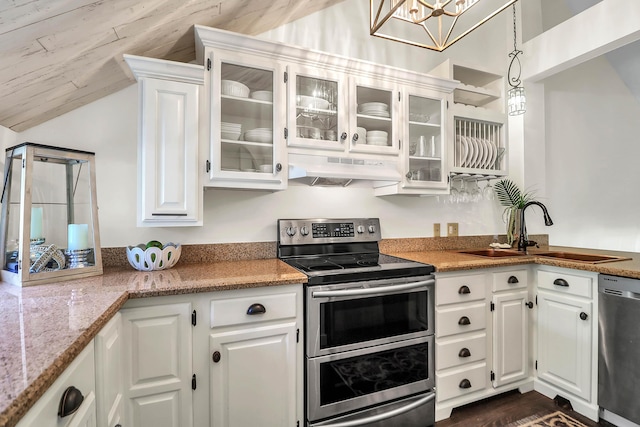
(516, 100)
(434, 25)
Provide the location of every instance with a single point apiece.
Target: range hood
(339, 170)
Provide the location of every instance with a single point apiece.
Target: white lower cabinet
(158, 365)
(81, 375)
(567, 337)
(255, 358)
(482, 335)
(109, 374)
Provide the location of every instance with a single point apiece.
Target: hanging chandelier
(432, 26)
(516, 100)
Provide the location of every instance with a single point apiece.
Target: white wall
(108, 127)
(592, 152)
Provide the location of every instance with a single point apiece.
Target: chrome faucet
(523, 243)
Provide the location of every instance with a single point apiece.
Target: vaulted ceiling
(56, 56)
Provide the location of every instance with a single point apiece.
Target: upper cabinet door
(374, 117)
(424, 151)
(317, 115)
(247, 133)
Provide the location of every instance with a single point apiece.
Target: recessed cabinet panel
(247, 133)
(160, 410)
(511, 337)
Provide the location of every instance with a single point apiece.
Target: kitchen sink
(493, 253)
(587, 258)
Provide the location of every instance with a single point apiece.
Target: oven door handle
(384, 416)
(369, 291)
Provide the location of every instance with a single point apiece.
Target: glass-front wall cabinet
(425, 152)
(247, 133)
(375, 121)
(318, 112)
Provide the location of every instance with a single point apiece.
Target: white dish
(494, 155)
(473, 162)
(312, 102)
(257, 135)
(262, 95)
(265, 168)
(373, 106)
(377, 141)
(362, 134)
(230, 135)
(374, 133)
(233, 88)
(466, 150)
(487, 153)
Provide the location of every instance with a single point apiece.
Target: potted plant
(510, 196)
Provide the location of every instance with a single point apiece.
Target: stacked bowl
(263, 135)
(232, 88)
(262, 95)
(230, 130)
(377, 109)
(377, 137)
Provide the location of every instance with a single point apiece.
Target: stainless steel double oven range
(369, 326)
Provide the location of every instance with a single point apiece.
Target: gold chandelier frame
(420, 12)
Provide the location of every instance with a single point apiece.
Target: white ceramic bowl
(150, 259)
(266, 168)
(230, 135)
(262, 95)
(259, 135)
(373, 106)
(377, 134)
(377, 141)
(312, 102)
(232, 88)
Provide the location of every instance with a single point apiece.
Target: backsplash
(117, 257)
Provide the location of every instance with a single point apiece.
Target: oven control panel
(317, 231)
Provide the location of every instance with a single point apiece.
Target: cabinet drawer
(452, 290)
(235, 311)
(461, 381)
(508, 280)
(466, 349)
(450, 321)
(566, 283)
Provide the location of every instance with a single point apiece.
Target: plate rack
(479, 147)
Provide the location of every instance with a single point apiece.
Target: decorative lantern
(49, 227)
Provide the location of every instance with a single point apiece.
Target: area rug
(556, 419)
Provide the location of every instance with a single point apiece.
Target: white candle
(78, 237)
(36, 223)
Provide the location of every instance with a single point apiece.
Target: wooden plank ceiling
(57, 55)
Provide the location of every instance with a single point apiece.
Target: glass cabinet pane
(246, 128)
(374, 117)
(316, 110)
(425, 140)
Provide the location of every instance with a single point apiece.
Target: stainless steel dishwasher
(619, 348)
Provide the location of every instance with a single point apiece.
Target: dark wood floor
(508, 408)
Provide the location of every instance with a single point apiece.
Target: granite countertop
(43, 328)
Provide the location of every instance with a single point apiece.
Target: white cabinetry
(158, 364)
(81, 375)
(109, 374)
(567, 337)
(482, 335)
(478, 121)
(168, 190)
(255, 357)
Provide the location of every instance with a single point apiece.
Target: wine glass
(487, 191)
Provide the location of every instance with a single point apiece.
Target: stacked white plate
(475, 153)
(377, 137)
(377, 109)
(262, 95)
(264, 135)
(230, 130)
(232, 88)
(312, 102)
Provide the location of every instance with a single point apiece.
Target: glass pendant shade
(516, 101)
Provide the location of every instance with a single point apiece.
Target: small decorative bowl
(149, 259)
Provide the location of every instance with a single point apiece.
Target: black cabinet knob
(70, 401)
(465, 383)
(216, 356)
(464, 353)
(464, 289)
(584, 316)
(278, 167)
(512, 280)
(343, 136)
(464, 320)
(529, 304)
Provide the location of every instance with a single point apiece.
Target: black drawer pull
(561, 282)
(584, 316)
(70, 401)
(256, 308)
(464, 289)
(465, 383)
(512, 280)
(464, 353)
(464, 320)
